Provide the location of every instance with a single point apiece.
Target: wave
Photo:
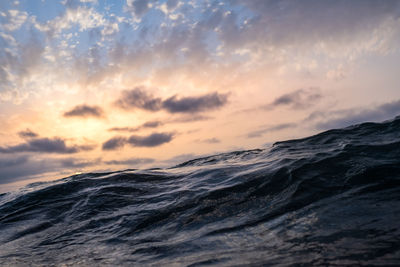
(329, 199)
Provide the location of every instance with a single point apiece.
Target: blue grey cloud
(195, 104)
(14, 168)
(85, 111)
(152, 140)
(114, 143)
(45, 145)
(139, 98)
(27, 133)
(299, 99)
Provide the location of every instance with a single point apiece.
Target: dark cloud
(324, 120)
(19, 168)
(114, 143)
(45, 145)
(299, 99)
(24, 167)
(85, 111)
(134, 161)
(27, 133)
(195, 104)
(139, 98)
(268, 129)
(154, 139)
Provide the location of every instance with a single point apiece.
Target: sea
(332, 199)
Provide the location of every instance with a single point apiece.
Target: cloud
(13, 161)
(195, 104)
(211, 140)
(15, 19)
(268, 129)
(45, 145)
(191, 118)
(78, 163)
(149, 124)
(137, 7)
(27, 133)
(24, 167)
(324, 120)
(138, 98)
(152, 124)
(152, 140)
(114, 143)
(133, 161)
(85, 111)
(13, 169)
(299, 99)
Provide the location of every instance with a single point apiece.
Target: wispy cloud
(149, 124)
(133, 161)
(213, 140)
(27, 133)
(299, 99)
(324, 120)
(271, 128)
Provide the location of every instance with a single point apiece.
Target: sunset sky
(97, 85)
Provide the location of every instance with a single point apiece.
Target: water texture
(330, 199)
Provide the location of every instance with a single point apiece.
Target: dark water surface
(330, 199)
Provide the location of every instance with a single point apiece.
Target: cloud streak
(27, 133)
(324, 120)
(149, 124)
(299, 99)
(268, 129)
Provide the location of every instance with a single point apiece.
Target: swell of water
(330, 199)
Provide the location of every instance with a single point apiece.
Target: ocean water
(330, 199)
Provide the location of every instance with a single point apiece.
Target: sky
(96, 85)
